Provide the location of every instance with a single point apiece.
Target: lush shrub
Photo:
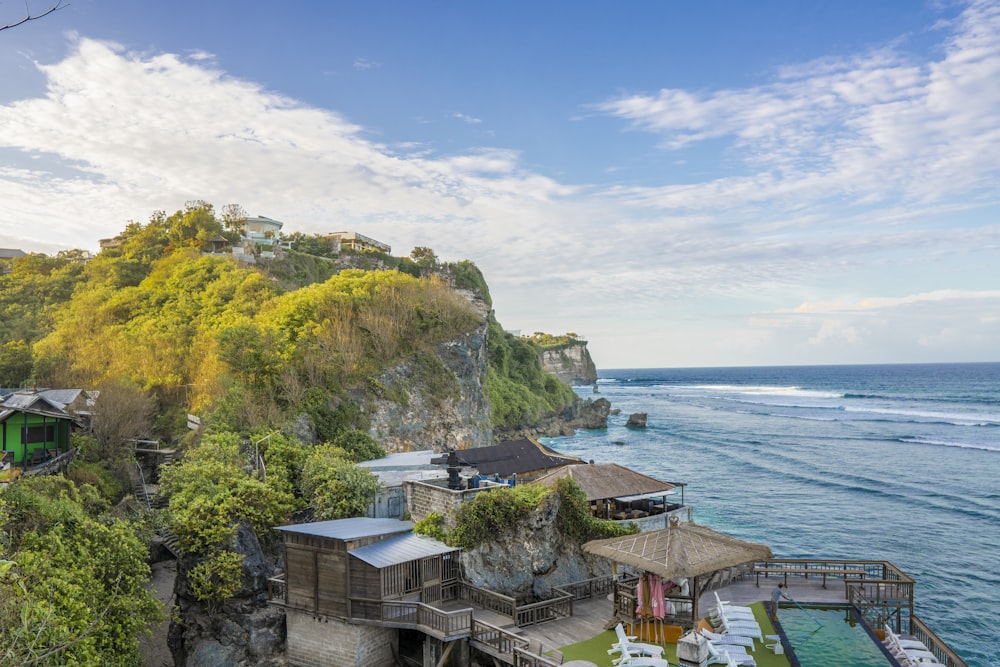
(492, 513)
(336, 487)
(575, 520)
(431, 525)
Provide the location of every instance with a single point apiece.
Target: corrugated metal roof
(512, 456)
(349, 529)
(400, 549)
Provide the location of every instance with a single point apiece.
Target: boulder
(636, 420)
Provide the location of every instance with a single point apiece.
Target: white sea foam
(958, 419)
(763, 390)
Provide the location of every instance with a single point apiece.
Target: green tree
(337, 487)
(71, 578)
(15, 363)
(214, 488)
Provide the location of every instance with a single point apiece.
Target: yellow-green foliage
(213, 489)
(71, 581)
(191, 327)
(492, 513)
(431, 525)
(520, 390)
(575, 520)
(335, 485)
(216, 577)
(546, 341)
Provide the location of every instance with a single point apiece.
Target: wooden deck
(591, 616)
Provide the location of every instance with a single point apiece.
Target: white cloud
(867, 128)
(468, 119)
(911, 147)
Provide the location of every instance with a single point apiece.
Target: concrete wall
(319, 641)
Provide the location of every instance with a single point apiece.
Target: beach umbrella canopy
(681, 550)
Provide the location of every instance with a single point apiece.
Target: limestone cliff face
(436, 401)
(531, 558)
(571, 363)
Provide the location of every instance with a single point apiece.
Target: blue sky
(683, 184)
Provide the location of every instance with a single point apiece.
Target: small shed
(33, 428)
(347, 567)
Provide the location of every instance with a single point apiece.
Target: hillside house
(356, 242)
(262, 235)
(33, 429)
(353, 589)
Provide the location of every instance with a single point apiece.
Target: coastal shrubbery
(575, 520)
(520, 389)
(71, 578)
(491, 514)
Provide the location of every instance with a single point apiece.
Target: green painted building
(33, 429)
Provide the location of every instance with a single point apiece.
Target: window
(33, 434)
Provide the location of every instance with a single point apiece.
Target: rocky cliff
(243, 631)
(570, 362)
(435, 401)
(531, 558)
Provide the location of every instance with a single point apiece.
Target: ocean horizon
(899, 462)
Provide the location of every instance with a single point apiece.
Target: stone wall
(423, 498)
(318, 641)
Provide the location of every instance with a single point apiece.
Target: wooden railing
(495, 641)
(488, 600)
(934, 644)
(524, 658)
(590, 588)
(552, 609)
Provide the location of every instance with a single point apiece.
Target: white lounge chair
(727, 605)
(630, 660)
(724, 655)
(720, 638)
(742, 628)
(627, 644)
(892, 640)
(731, 614)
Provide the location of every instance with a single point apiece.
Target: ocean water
(894, 462)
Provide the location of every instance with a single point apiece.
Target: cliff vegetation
(293, 363)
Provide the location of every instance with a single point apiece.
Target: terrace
(884, 596)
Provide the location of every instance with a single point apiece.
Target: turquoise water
(826, 637)
(896, 462)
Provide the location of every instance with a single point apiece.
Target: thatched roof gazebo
(680, 551)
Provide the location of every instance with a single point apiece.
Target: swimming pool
(824, 636)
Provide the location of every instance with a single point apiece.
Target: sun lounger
(721, 638)
(725, 655)
(630, 660)
(742, 628)
(731, 614)
(626, 644)
(727, 605)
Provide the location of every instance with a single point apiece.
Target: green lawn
(596, 648)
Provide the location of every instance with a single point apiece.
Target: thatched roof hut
(602, 481)
(680, 551)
